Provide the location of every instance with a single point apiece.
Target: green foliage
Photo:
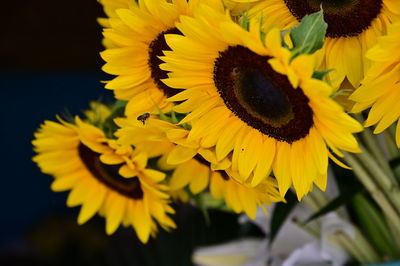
(321, 74)
(309, 35)
(244, 21)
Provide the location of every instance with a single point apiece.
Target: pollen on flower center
(261, 97)
(108, 174)
(156, 48)
(345, 18)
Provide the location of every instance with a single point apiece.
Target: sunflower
(353, 28)
(195, 166)
(255, 107)
(137, 37)
(381, 87)
(103, 177)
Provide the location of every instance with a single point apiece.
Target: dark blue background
(28, 99)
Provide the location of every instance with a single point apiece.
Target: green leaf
(117, 110)
(280, 212)
(374, 226)
(309, 35)
(321, 74)
(244, 21)
(118, 105)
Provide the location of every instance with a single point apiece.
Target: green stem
(347, 244)
(385, 181)
(364, 246)
(379, 176)
(319, 197)
(311, 203)
(396, 236)
(374, 147)
(392, 132)
(391, 144)
(312, 230)
(368, 183)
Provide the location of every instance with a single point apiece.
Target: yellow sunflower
(137, 37)
(194, 165)
(259, 110)
(381, 87)
(353, 28)
(103, 177)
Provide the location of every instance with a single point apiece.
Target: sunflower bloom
(381, 87)
(137, 38)
(103, 177)
(195, 166)
(255, 107)
(353, 28)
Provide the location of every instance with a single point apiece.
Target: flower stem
(364, 246)
(391, 144)
(369, 184)
(376, 150)
(386, 183)
(344, 241)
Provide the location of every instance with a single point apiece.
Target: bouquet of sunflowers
(243, 106)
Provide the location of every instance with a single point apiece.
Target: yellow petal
(92, 203)
(116, 205)
(200, 180)
(180, 155)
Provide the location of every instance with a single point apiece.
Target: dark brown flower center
(261, 97)
(156, 48)
(345, 18)
(108, 174)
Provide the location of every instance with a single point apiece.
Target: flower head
(257, 107)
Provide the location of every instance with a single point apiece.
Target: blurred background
(50, 64)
